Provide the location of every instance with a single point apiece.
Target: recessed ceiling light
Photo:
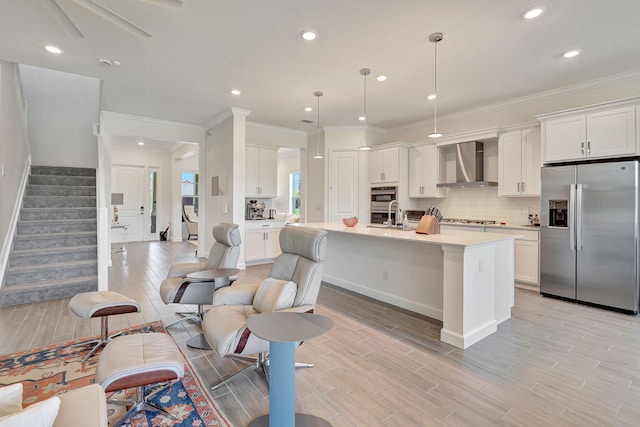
(571, 53)
(361, 118)
(432, 97)
(140, 143)
(307, 109)
(53, 49)
(381, 78)
(533, 13)
(235, 92)
(309, 35)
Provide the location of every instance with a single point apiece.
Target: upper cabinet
(519, 163)
(261, 172)
(593, 132)
(384, 165)
(424, 172)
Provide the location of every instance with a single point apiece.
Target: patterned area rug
(57, 368)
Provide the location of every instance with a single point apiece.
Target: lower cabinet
(262, 243)
(526, 270)
(527, 256)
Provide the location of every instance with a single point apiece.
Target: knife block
(428, 225)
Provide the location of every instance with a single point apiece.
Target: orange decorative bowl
(350, 222)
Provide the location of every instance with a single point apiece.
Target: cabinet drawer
(528, 235)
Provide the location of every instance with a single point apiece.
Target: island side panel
(469, 294)
(404, 273)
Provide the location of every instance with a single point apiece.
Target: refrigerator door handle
(579, 217)
(572, 225)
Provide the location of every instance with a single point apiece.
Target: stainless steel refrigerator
(589, 233)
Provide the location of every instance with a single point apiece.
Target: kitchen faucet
(389, 212)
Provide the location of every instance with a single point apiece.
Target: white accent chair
(178, 289)
(293, 285)
(191, 220)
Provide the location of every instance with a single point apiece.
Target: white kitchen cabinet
(519, 163)
(526, 269)
(262, 241)
(424, 172)
(527, 262)
(527, 256)
(594, 133)
(384, 165)
(261, 172)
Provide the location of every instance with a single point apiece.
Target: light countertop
(446, 237)
(493, 227)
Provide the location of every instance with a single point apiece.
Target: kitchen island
(463, 278)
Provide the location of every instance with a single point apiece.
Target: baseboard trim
(8, 238)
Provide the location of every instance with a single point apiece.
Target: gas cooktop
(467, 221)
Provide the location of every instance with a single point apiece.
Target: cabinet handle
(588, 147)
(518, 187)
(582, 147)
(523, 190)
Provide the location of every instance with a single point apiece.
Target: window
(190, 183)
(294, 193)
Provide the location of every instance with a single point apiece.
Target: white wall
(257, 133)
(14, 155)
(224, 157)
(62, 109)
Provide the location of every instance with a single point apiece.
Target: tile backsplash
(484, 203)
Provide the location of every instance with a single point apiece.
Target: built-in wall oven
(380, 198)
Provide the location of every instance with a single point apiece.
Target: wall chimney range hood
(469, 166)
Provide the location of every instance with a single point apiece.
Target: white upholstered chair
(293, 285)
(178, 289)
(191, 220)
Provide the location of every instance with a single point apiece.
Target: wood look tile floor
(553, 363)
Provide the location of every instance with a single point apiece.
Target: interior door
(131, 182)
(343, 185)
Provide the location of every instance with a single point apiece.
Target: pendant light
(435, 38)
(365, 72)
(318, 94)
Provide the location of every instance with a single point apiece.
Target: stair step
(50, 272)
(62, 170)
(39, 214)
(62, 180)
(57, 240)
(46, 291)
(58, 201)
(60, 190)
(56, 226)
(52, 255)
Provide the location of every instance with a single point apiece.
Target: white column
(468, 294)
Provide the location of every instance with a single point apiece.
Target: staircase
(54, 252)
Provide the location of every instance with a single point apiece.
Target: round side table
(284, 331)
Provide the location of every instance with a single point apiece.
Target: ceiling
(201, 49)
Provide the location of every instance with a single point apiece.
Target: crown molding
(370, 129)
(276, 128)
(113, 114)
(541, 96)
